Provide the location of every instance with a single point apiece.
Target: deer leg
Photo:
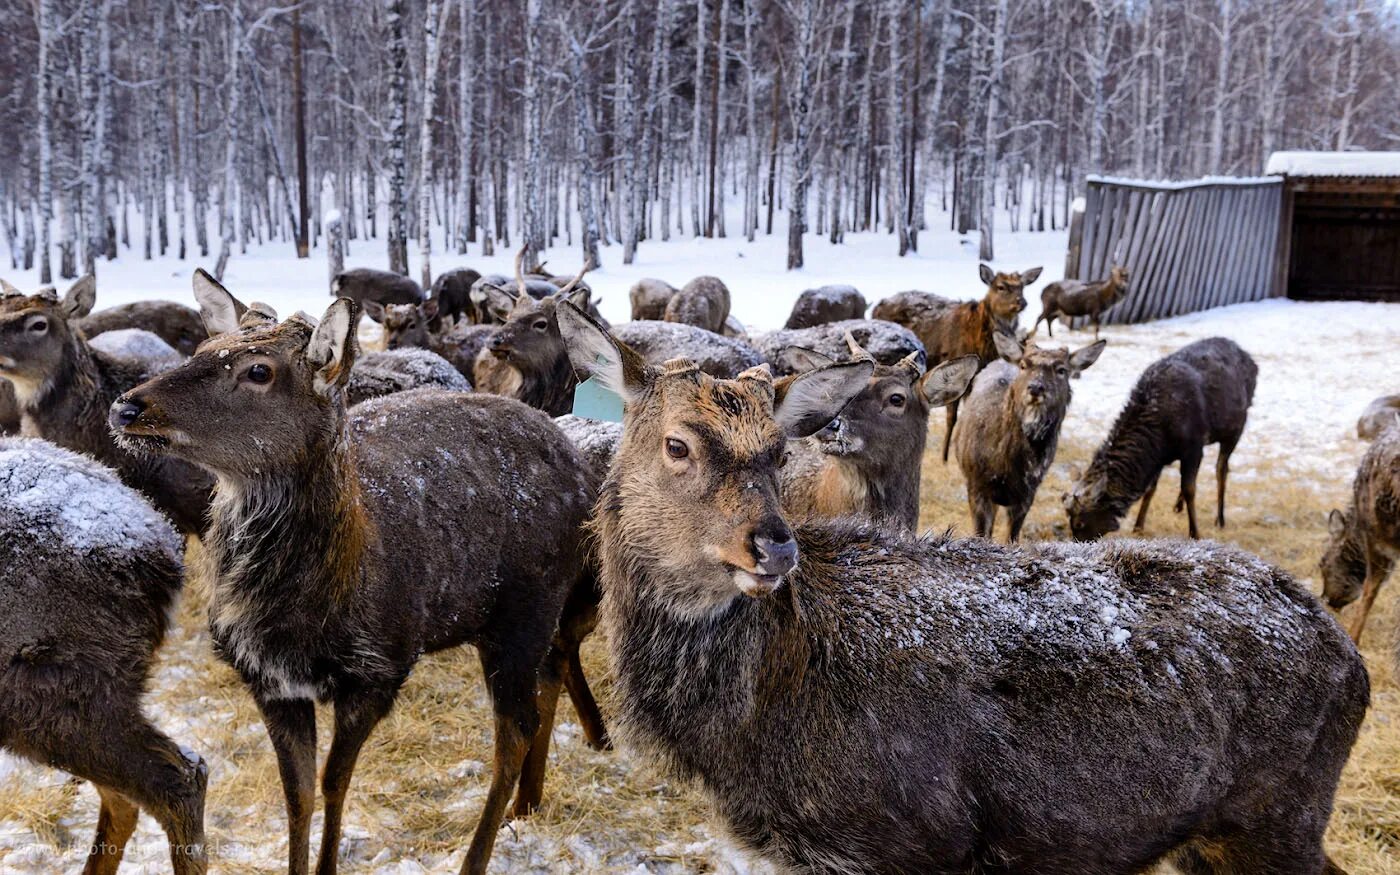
(1377, 569)
(116, 821)
(355, 719)
(984, 514)
(1222, 473)
(531, 794)
(1050, 325)
(1146, 503)
(579, 620)
(291, 726)
(595, 731)
(512, 684)
(1190, 467)
(952, 417)
(1017, 516)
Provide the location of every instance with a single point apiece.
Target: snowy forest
(227, 123)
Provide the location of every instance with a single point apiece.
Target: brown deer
(420, 326)
(1364, 542)
(384, 286)
(322, 589)
(950, 329)
(649, 298)
(1011, 428)
(702, 302)
(868, 459)
(9, 409)
(91, 572)
(853, 699)
(1196, 396)
(826, 304)
(63, 387)
(1079, 298)
(451, 295)
(1379, 415)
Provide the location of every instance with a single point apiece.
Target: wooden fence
(1188, 246)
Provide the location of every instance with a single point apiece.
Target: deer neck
(68, 407)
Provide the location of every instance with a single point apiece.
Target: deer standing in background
(323, 589)
(1364, 541)
(951, 329)
(1080, 298)
(853, 699)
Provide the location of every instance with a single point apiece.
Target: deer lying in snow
(868, 459)
(1364, 542)
(322, 589)
(1011, 428)
(856, 700)
(1196, 396)
(90, 574)
(1080, 298)
(952, 329)
(715, 354)
(63, 387)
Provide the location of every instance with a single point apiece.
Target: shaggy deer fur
(886, 342)
(385, 287)
(1379, 415)
(176, 324)
(951, 329)
(826, 304)
(854, 700)
(63, 388)
(91, 572)
(714, 354)
(649, 298)
(322, 590)
(702, 302)
(377, 374)
(1011, 428)
(1364, 542)
(1080, 298)
(1196, 396)
(596, 440)
(9, 409)
(868, 460)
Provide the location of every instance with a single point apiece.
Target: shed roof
(1357, 164)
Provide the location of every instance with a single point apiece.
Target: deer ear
(81, 297)
(950, 380)
(9, 291)
(594, 352)
(1030, 276)
(498, 302)
(332, 347)
(1008, 347)
(986, 274)
(374, 310)
(811, 400)
(1081, 359)
(430, 309)
(1336, 524)
(579, 298)
(219, 308)
(798, 359)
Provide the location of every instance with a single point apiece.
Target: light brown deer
(1080, 298)
(1364, 543)
(323, 590)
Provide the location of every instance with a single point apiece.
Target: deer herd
(851, 695)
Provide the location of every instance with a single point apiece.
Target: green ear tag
(593, 401)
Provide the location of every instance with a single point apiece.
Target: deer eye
(1062, 371)
(897, 400)
(260, 373)
(541, 325)
(676, 449)
(38, 326)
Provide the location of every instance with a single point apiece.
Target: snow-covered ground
(1319, 366)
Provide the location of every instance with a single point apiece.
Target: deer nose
(775, 549)
(830, 430)
(1036, 389)
(124, 412)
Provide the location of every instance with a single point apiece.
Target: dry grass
(422, 776)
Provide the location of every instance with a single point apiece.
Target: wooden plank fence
(1188, 246)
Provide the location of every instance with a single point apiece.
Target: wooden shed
(1339, 231)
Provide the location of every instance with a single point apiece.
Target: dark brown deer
(1196, 396)
(1080, 298)
(856, 700)
(176, 324)
(63, 388)
(91, 572)
(826, 304)
(1364, 542)
(367, 284)
(868, 459)
(702, 302)
(452, 295)
(950, 329)
(1011, 428)
(649, 298)
(322, 590)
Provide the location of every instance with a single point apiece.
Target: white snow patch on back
(137, 344)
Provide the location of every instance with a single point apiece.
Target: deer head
(37, 338)
(529, 338)
(694, 487)
(1343, 564)
(258, 395)
(406, 325)
(1040, 392)
(1006, 292)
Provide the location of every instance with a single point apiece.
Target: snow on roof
(1334, 164)
(47, 492)
(1179, 185)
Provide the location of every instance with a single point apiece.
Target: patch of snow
(137, 344)
(1334, 164)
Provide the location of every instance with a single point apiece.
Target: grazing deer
(1364, 542)
(868, 459)
(1196, 396)
(1011, 428)
(702, 302)
(853, 699)
(383, 286)
(950, 329)
(826, 304)
(91, 573)
(1079, 298)
(63, 387)
(322, 589)
(176, 324)
(886, 342)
